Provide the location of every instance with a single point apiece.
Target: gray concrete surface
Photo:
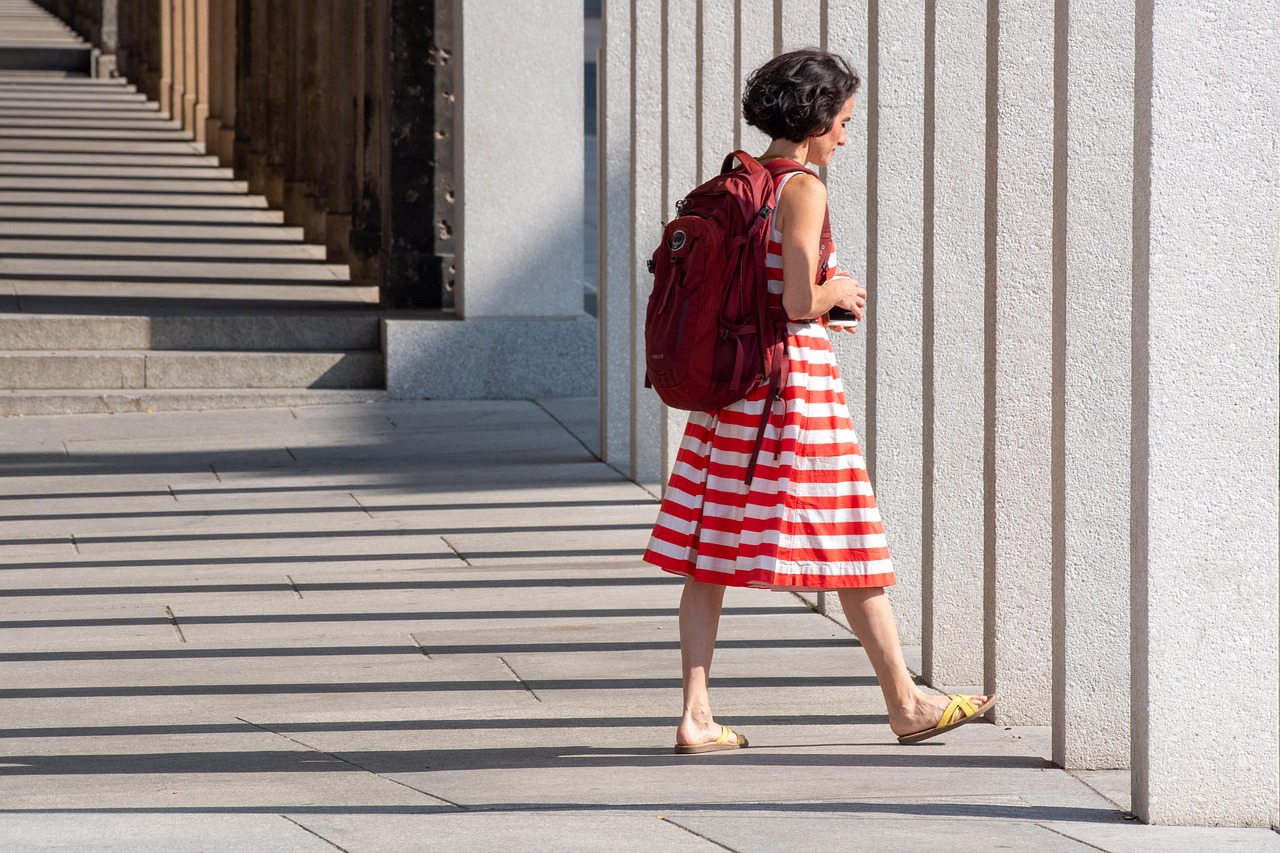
(424, 625)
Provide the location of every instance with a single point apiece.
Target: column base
(500, 359)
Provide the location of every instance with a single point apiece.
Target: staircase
(136, 273)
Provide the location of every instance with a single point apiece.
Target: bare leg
(871, 618)
(699, 620)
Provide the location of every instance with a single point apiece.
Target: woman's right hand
(853, 296)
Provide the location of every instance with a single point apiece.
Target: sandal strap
(959, 708)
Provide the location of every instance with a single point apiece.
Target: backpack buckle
(680, 206)
(765, 210)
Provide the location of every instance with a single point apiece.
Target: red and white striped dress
(809, 519)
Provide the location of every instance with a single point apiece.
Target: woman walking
(808, 520)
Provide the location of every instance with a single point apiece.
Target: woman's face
(822, 148)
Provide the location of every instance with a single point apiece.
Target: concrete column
(164, 90)
(200, 110)
(1092, 384)
(845, 33)
(178, 52)
(1018, 362)
(755, 48)
(306, 121)
(1204, 522)
(190, 64)
(892, 437)
(368, 36)
(213, 121)
(614, 306)
(647, 218)
(227, 70)
(800, 24)
(717, 88)
(339, 143)
(952, 340)
(279, 61)
(681, 151)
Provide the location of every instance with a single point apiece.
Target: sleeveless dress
(809, 519)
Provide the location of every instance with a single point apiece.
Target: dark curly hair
(798, 94)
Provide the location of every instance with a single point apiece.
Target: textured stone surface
(1205, 507)
(894, 307)
(1093, 330)
(647, 219)
(615, 304)
(499, 359)
(952, 500)
(520, 205)
(1018, 367)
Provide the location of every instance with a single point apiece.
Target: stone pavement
(424, 625)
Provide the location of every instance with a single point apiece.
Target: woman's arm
(801, 211)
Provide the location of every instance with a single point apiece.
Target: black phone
(841, 317)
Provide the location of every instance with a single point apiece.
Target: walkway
(407, 626)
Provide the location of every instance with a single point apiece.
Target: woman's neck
(788, 150)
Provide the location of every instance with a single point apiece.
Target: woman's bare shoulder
(803, 191)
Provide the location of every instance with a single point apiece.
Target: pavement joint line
(293, 585)
(357, 766)
(696, 833)
(173, 620)
(74, 543)
(173, 493)
(362, 506)
(305, 828)
(215, 472)
(291, 456)
(454, 550)
(421, 647)
(566, 429)
(523, 683)
(1071, 837)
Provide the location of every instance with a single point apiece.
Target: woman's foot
(925, 711)
(691, 731)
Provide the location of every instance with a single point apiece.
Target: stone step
(117, 370)
(70, 402)
(309, 332)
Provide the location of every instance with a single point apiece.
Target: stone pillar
(952, 339)
(680, 75)
(1204, 465)
(227, 71)
(178, 52)
(164, 89)
(1018, 363)
(845, 33)
(370, 123)
(755, 48)
(892, 436)
(279, 63)
(800, 24)
(217, 46)
(190, 64)
(339, 143)
(1092, 383)
(307, 115)
(614, 306)
(200, 103)
(647, 219)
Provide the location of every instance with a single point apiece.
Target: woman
(808, 520)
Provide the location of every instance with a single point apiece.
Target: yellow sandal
(960, 704)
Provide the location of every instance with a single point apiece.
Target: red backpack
(710, 334)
